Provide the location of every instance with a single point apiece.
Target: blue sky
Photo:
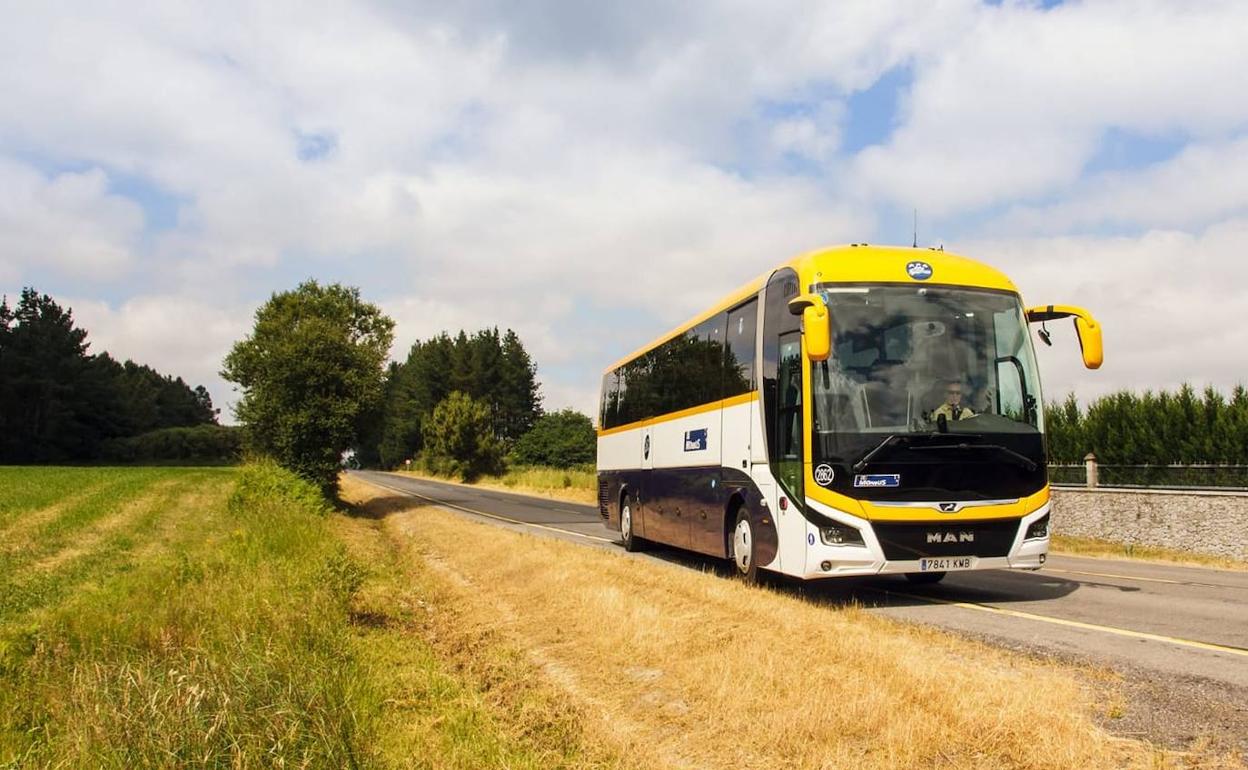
(590, 176)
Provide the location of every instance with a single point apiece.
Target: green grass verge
(173, 617)
(210, 629)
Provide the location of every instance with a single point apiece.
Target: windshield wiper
(1023, 460)
(890, 440)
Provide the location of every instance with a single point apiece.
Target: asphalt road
(1187, 623)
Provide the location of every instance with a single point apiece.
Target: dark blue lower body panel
(688, 507)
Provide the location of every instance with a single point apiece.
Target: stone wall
(1213, 523)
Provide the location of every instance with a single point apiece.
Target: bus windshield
(925, 360)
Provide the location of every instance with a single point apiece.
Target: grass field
(179, 617)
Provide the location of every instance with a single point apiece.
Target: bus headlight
(1038, 528)
(840, 534)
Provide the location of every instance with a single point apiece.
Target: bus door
(781, 379)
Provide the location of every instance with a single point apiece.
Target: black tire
(742, 537)
(632, 543)
(925, 578)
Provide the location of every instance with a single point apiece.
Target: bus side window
(739, 352)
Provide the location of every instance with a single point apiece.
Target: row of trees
(315, 385)
(491, 369)
(59, 403)
(1159, 428)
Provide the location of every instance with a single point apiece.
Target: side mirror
(1086, 328)
(815, 325)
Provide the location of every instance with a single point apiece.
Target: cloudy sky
(592, 173)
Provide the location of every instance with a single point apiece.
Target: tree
(487, 367)
(561, 439)
(310, 369)
(520, 404)
(50, 412)
(459, 440)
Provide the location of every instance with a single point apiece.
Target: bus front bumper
(824, 561)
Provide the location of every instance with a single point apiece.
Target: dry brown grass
(1084, 546)
(539, 482)
(461, 695)
(673, 668)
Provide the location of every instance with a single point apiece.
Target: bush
(560, 440)
(458, 439)
(200, 445)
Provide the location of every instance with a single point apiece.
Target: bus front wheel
(632, 543)
(745, 548)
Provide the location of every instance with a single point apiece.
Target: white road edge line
(495, 516)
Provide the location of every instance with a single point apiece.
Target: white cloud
(176, 335)
(1170, 304)
(1016, 104)
(1204, 183)
(69, 222)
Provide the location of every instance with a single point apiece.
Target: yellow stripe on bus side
(744, 398)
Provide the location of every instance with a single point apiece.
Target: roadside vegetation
(173, 617)
(1083, 546)
(169, 617)
(672, 668)
(1155, 429)
(577, 484)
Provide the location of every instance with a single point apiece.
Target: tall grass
(226, 643)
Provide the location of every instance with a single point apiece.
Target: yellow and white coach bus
(859, 410)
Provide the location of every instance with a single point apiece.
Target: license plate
(947, 564)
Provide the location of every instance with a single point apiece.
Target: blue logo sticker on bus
(919, 271)
(695, 440)
(878, 480)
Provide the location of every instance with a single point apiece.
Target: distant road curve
(1177, 621)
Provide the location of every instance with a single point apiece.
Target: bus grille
(602, 498)
(906, 542)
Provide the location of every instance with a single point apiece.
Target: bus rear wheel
(745, 548)
(925, 578)
(632, 543)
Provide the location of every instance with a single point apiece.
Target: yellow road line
(495, 516)
(1209, 646)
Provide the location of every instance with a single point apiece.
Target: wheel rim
(626, 522)
(742, 542)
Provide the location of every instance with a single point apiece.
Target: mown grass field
(220, 617)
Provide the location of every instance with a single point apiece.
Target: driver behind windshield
(952, 408)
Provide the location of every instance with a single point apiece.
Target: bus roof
(853, 263)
